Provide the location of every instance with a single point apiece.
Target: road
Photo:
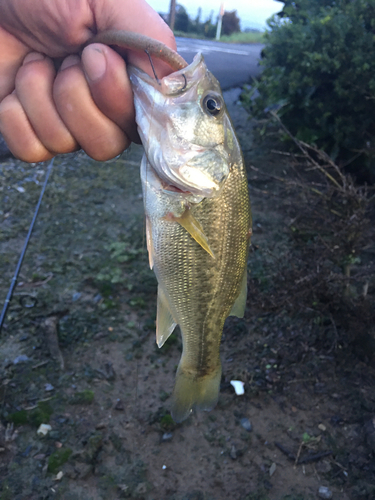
(232, 64)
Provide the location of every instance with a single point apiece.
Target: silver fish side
(198, 223)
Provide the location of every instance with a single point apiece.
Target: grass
(241, 37)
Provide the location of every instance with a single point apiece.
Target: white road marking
(209, 48)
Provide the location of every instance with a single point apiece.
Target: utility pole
(219, 21)
(172, 14)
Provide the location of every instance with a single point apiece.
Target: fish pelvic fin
(194, 228)
(165, 324)
(238, 308)
(191, 391)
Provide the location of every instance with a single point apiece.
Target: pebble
(272, 469)
(97, 298)
(167, 436)
(246, 424)
(76, 296)
(324, 492)
(22, 358)
(43, 429)
(119, 406)
(238, 387)
(48, 387)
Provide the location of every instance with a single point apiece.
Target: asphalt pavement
(232, 64)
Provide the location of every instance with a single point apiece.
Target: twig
(298, 454)
(314, 458)
(50, 326)
(302, 145)
(286, 452)
(285, 153)
(36, 283)
(303, 460)
(269, 175)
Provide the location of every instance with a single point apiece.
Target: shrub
(231, 23)
(319, 65)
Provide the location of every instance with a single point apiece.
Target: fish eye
(212, 104)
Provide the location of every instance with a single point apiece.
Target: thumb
(105, 72)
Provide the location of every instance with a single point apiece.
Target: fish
(198, 221)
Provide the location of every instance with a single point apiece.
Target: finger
(99, 136)
(11, 56)
(110, 87)
(18, 132)
(34, 83)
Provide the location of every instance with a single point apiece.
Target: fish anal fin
(150, 246)
(238, 308)
(165, 324)
(194, 228)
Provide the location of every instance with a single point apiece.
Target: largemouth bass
(197, 221)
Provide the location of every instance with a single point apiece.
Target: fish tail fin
(192, 391)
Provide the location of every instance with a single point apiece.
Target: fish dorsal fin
(150, 246)
(165, 324)
(238, 308)
(194, 228)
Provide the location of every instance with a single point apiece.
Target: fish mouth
(190, 178)
(174, 189)
(159, 184)
(164, 185)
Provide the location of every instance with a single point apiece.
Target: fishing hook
(185, 84)
(155, 75)
(152, 66)
(20, 260)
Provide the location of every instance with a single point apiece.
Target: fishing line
(18, 268)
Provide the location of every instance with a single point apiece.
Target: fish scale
(197, 236)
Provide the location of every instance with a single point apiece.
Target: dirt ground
(307, 418)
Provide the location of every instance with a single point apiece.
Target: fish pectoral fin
(194, 228)
(150, 246)
(165, 324)
(238, 308)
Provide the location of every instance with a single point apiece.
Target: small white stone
(164, 467)
(324, 492)
(272, 469)
(238, 387)
(59, 476)
(44, 429)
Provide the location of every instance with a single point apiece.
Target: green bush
(319, 69)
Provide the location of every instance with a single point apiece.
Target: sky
(253, 13)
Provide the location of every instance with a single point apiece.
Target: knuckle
(103, 150)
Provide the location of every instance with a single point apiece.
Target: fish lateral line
(193, 227)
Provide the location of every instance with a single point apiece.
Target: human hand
(87, 103)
